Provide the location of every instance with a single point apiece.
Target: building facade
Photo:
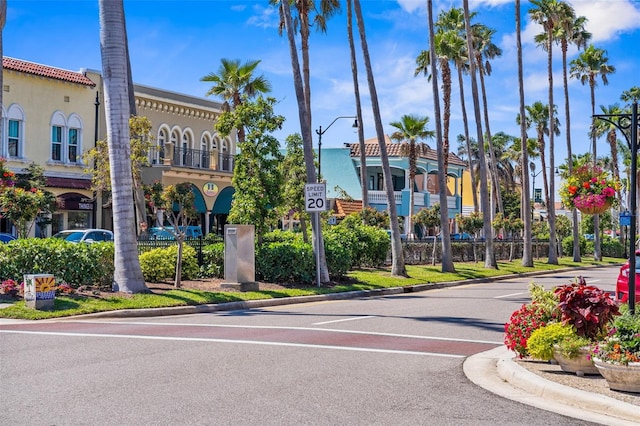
(52, 117)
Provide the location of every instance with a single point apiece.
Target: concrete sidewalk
(496, 372)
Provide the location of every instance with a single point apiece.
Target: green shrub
(567, 246)
(542, 340)
(368, 245)
(74, 264)
(213, 260)
(286, 262)
(160, 264)
(212, 238)
(338, 257)
(280, 236)
(611, 247)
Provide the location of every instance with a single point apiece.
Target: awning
(74, 201)
(223, 201)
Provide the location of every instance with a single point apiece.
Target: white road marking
(312, 329)
(509, 295)
(343, 320)
(247, 342)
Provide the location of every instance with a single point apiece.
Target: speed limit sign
(315, 197)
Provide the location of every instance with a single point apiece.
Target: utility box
(240, 258)
(39, 291)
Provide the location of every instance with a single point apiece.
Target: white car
(85, 235)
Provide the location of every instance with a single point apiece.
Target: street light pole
(628, 123)
(321, 132)
(532, 166)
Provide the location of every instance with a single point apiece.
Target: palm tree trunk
(597, 251)
(527, 253)
(356, 90)
(128, 274)
(305, 129)
(447, 258)
(490, 259)
(465, 122)
(397, 262)
(551, 208)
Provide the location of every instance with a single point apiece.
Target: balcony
(190, 158)
(421, 200)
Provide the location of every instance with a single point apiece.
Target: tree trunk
(551, 208)
(397, 262)
(128, 274)
(305, 129)
(489, 260)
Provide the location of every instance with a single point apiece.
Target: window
(14, 138)
(162, 139)
(73, 145)
(56, 143)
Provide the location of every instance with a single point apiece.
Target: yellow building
(52, 116)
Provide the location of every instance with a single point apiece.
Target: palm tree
(484, 50)
(570, 30)
(305, 130)
(489, 259)
(631, 95)
(356, 92)
(447, 259)
(537, 115)
(232, 80)
(301, 21)
(3, 20)
(411, 128)
(586, 67)
(127, 275)
(547, 13)
(398, 267)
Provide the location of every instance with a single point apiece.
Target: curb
(496, 372)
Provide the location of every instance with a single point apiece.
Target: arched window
(204, 151)
(74, 142)
(58, 127)
(158, 156)
(15, 131)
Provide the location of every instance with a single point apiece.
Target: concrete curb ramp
(496, 372)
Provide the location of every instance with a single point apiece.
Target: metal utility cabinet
(240, 258)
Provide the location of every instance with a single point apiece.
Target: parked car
(5, 238)
(622, 284)
(85, 235)
(461, 236)
(158, 233)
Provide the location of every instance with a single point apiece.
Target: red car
(622, 285)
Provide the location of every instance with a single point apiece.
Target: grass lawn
(360, 280)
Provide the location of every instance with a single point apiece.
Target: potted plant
(530, 317)
(590, 189)
(617, 356)
(589, 311)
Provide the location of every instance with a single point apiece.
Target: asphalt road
(394, 360)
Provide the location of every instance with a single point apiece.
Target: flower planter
(620, 377)
(580, 365)
(592, 210)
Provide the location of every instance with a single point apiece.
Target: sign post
(315, 201)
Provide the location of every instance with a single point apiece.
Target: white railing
(380, 197)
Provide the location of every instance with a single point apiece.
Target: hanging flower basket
(590, 189)
(595, 209)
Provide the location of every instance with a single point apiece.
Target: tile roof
(345, 208)
(372, 149)
(46, 71)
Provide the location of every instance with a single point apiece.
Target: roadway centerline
(509, 295)
(343, 320)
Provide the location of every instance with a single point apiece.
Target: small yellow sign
(210, 189)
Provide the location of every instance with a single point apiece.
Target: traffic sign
(315, 197)
(625, 218)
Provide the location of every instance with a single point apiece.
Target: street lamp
(532, 166)
(628, 125)
(321, 132)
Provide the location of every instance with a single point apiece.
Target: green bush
(612, 247)
(567, 246)
(368, 245)
(159, 264)
(542, 340)
(338, 257)
(213, 261)
(74, 264)
(283, 262)
(280, 236)
(212, 238)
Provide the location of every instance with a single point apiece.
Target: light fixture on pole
(321, 132)
(532, 166)
(629, 126)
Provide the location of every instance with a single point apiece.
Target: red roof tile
(45, 71)
(372, 149)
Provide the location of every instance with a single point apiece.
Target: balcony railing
(192, 158)
(421, 199)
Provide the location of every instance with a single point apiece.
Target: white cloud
(607, 19)
(264, 17)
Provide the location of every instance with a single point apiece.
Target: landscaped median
(371, 280)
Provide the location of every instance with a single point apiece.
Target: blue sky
(174, 43)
